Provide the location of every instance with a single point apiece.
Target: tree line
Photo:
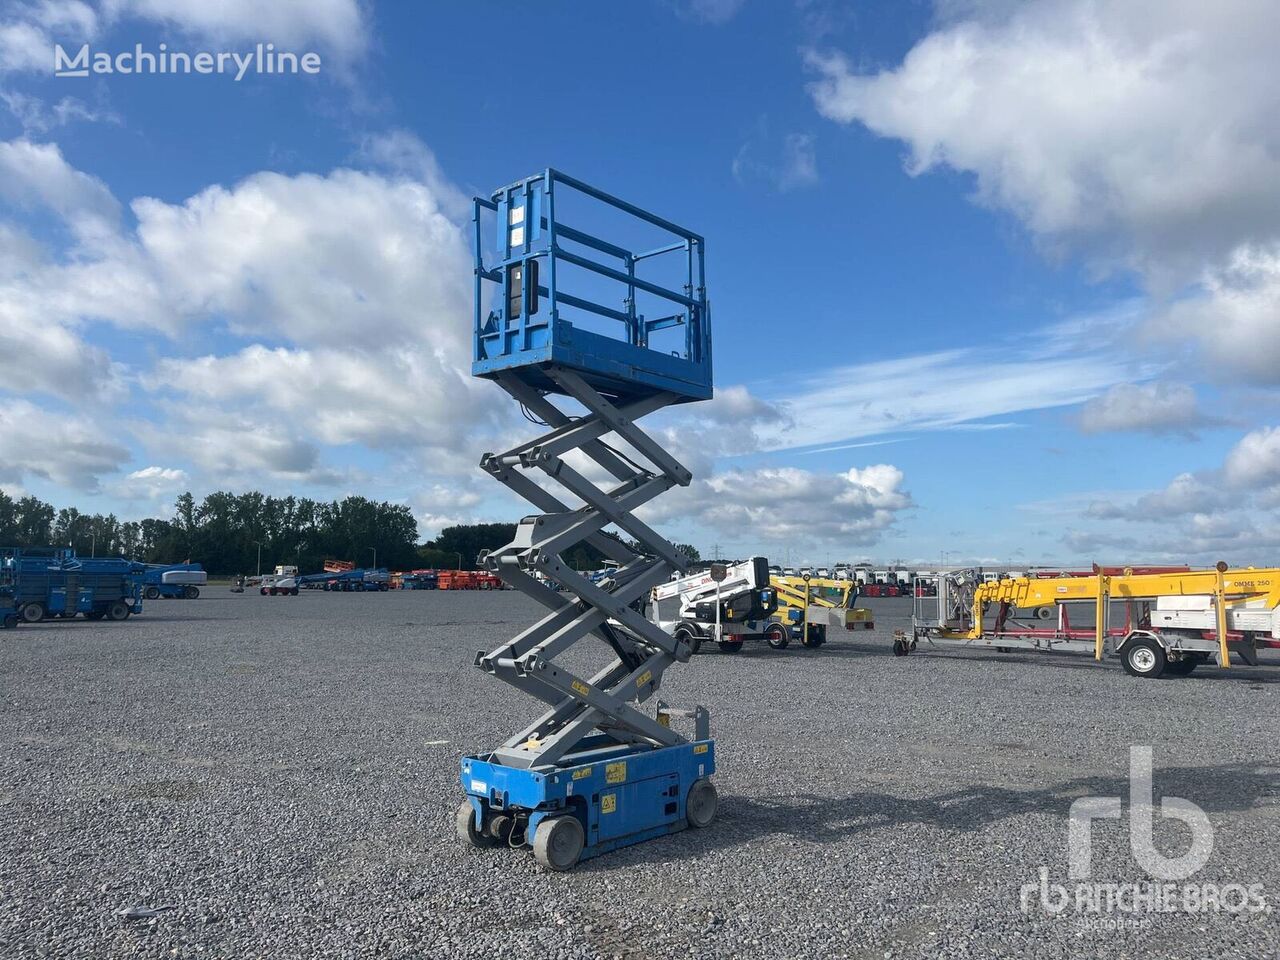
(243, 533)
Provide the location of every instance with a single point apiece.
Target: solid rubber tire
(701, 804)
(558, 842)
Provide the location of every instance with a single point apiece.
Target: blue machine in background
(348, 581)
(174, 581)
(620, 327)
(45, 582)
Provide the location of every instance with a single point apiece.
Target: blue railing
(553, 283)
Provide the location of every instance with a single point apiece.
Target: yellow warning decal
(581, 687)
(665, 720)
(699, 748)
(582, 774)
(609, 803)
(644, 678)
(615, 772)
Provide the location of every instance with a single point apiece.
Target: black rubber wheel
(263, 591)
(32, 612)
(558, 842)
(1044, 613)
(151, 593)
(694, 640)
(465, 820)
(817, 637)
(67, 615)
(775, 634)
(293, 592)
(95, 615)
(118, 610)
(10, 621)
(1144, 658)
(729, 646)
(900, 648)
(701, 804)
(191, 593)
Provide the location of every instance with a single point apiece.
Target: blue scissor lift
(588, 335)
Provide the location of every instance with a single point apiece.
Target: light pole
(259, 543)
(375, 557)
(93, 545)
(459, 567)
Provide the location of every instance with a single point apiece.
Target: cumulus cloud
(1199, 516)
(1145, 129)
(352, 286)
(1234, 315)
(788, 504)
(64, 449)
(1156, 407)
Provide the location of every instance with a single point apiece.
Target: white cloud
(1254, 462)
(353, 286)
(790, 505)
(940, 390)
(1234, 315)
(27, 34)
(68, 450)
(1199, 517)
(1156, 407)
(782, 164)
(1144, 130)
(151, 483)
(37, 117)
(336, 25)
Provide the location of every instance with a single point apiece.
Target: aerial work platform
(595, 770)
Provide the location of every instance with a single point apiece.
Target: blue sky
(1000, 280)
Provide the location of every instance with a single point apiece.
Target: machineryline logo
(263, 59)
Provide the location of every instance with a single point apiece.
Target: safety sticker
(582, 774)
(609, 803)
(700, 748)
(581, 687)
(615, 772)
(644, 678)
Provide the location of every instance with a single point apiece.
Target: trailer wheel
(729, 646)
(151, 593)
(468, 832)
(558, 842)
(702, 803)
(1144, 658)
(775, 634)
(694, 640)
(32, 612)
(191, 593)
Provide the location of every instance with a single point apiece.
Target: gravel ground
(278, 777)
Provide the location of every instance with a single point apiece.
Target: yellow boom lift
(1172, 621)
(807, 606)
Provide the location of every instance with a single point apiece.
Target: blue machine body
(347, 581)
(554, 280)
(61, 583)
(621, 795)
(155, 577)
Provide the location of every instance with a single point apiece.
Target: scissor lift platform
(594, 772)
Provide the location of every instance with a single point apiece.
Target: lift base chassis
(620, 795)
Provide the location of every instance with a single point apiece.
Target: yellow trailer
(1173, 621)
